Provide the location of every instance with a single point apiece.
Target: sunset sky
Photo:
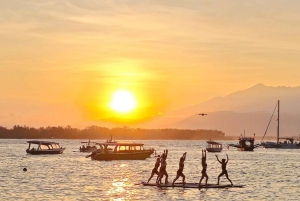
(62, 61)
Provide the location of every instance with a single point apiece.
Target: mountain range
(250, 110)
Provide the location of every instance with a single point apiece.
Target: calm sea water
(268, 174)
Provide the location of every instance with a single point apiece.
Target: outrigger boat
(44, 147)
(281, 143)
(213, 146)
(245, 143)
(121, 151)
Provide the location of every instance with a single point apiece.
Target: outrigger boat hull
(42, 152)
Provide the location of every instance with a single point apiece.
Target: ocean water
(268, 174)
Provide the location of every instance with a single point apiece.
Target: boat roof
(41, 142)
(88, 142)
(120, 143)
(212, 142)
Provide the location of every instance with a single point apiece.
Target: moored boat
(213, 146)
(245, 143)
(88, 146)
(281, 143)
(37, 147)
(121, 151)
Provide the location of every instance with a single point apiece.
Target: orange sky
(60, 61)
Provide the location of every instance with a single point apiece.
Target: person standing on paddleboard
(180, 170)
(162, 169)
(224, 171)
(204, 167)
(155, 169)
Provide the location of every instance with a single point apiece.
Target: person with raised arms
(180, 170)
(204, 167)
(155, 169)
(162, 169)
(224, 171)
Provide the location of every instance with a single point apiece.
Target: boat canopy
(120, 144)
(213, 142)
(41, 142)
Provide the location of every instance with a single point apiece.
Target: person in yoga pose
(180, 170)
(204, 167)
(224, 171)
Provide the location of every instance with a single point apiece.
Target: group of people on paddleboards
(161, 161)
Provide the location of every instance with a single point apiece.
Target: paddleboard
(191, 185)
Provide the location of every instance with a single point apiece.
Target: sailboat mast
(278, 125)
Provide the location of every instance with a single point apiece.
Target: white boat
(281, 143)
(213, 146)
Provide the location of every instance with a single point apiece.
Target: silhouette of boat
(213, 146)
(44, 147)
(88, 146)
(121, 151)
(245, 143)
(281, 143)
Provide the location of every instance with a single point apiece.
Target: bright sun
(123, 101)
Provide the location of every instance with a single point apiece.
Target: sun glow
(123, 101)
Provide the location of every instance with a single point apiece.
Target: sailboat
(281, 143)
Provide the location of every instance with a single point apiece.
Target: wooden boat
(88, 146)
(37, 147)
(121, 151)
(245, 143)
(281, 143)
(191, 185)
(213, 146)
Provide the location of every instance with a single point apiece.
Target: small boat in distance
(37, 147)
(88, 146)
(121, 151)
(245, 143)
(281, 143)
(213, 146)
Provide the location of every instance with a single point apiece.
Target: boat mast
(278, 125)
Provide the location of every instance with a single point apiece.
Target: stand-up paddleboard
(191, 185)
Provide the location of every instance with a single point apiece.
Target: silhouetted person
(180, 170)
(162, 169)
(155, 169)
(224, 171)
(204, 167)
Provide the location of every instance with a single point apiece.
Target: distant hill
(248, 109)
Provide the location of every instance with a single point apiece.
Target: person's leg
(177, 176)
(206, 179)
(226, 174)
(166, 180)
(183, 178)
(152, 174)
(201, 179)
(220, 175)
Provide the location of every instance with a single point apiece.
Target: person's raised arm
(227, 158)
(184, 155)
(166, 153)
(218, 158)
(204, 153)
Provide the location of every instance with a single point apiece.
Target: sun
(123, 101)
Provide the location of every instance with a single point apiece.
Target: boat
(120, 151)
(88, 146)
(37, 147)
(213, 146)
(281, 142)
(245, 143)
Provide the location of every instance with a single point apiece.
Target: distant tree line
(96, 132)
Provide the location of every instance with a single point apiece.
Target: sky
(61, 61)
